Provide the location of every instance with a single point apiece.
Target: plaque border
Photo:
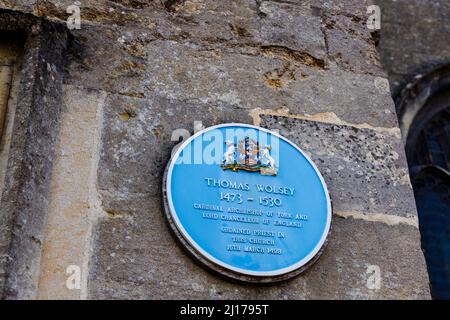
(214, 264)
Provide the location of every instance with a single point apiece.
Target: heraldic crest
(249, 157)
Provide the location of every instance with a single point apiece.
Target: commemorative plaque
(247, 203)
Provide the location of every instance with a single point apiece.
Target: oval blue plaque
(247, 202)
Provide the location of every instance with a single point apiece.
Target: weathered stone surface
(137, 142)
(25, 5)
(256, 79)
(166, 79)
(163, 65)
(142, 261)
(73, 204)
(267, 83)
(409, 47)
(352, 45)
(365, 170)
(415, 51)
(289, 26)
(24, 197)
(6, 109)
(255, 73)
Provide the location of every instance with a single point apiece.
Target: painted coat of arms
(248, 156)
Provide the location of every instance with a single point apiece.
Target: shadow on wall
(413, 46)
(424, 114)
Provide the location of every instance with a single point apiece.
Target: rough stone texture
(168, 82)
(24, 5)
(73, 207)
(417, 58)
(409, 48)
(365, 170)
(352, 46)
(165, 64)
(24, 197)
(6, 74)
(11, 52)
(143, 263)
(137, 143)
(8, 79)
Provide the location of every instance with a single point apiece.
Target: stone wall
(414, 39)
(37, 97)
(9, 70)
(415, 51)
(137, 70)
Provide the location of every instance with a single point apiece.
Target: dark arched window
(424, 113)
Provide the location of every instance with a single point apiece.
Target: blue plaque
(247, 203)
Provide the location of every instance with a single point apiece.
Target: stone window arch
(30, 123)
(424, 115)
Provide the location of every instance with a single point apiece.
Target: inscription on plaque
(248, 200)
